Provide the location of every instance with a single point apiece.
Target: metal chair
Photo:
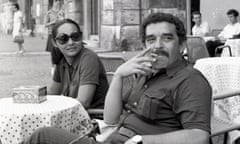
(196, 49)
(221, 126)
(111, 63)
(220, 48)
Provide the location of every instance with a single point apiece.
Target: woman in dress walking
(18, 28)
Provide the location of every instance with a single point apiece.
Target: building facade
(121, 20)
(109, 24)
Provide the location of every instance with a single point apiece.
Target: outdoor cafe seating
(223, 75)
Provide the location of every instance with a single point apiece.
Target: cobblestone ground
(23, 70)
(31, 44)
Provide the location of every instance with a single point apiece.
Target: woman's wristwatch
(137, 139)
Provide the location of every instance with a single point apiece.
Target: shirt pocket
(150, 103)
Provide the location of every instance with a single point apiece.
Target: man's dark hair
(61, 22)
(196, 13)
(164, 17)
(233, 12)
(16, 5)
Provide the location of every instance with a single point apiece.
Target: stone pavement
(31, 69)
(23, 70)
(31, 44)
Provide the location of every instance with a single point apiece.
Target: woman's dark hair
(233, 12)
(164, 17)
(56, 53)
(61, 22)
(16, 5)
(196, 13)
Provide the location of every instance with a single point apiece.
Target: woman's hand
(140, 64)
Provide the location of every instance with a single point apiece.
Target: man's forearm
(113, 102)
(191, 136)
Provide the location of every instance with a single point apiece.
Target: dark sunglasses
(64, 38)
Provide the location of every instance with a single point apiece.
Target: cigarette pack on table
(29, 94)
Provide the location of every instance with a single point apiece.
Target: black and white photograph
(119, 72)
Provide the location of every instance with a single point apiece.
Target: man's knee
(38, 135)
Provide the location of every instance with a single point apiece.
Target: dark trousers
(51, 135)
(212, 45)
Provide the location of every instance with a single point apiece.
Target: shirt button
(145, 86)
(135, 103)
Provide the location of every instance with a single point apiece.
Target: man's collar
(172, 69)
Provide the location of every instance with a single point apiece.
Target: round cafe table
(18, 121)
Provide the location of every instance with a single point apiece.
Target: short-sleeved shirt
(229, 30)
(201, 30)
(86, 69)
(17, 23)
(177, 98)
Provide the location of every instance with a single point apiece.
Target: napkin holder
(29, 94)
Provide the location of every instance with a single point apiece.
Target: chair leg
(225, 138)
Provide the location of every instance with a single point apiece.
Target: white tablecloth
(19, 121)
(223, 73)
(235, 47)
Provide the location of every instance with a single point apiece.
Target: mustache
(160, 52)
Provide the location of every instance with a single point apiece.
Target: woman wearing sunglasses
(80, 73)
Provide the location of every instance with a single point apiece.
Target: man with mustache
(169, 103)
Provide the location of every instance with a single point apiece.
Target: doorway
(29, 24)
(94, 17)
(195, 6)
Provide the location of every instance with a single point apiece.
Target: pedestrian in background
(53, 15)
(18, 28)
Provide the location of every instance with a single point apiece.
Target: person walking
(53, 15)
(18, 28)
